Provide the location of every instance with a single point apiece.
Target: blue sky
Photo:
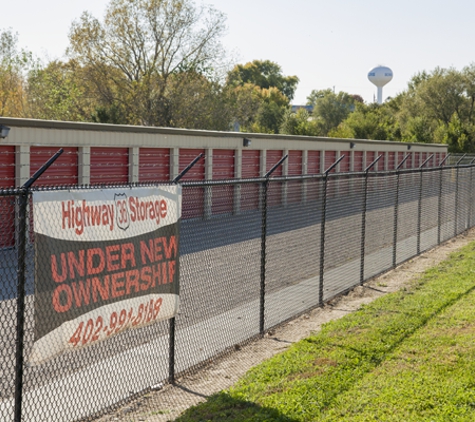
(325, 43)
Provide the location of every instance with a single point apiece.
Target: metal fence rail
(264, 251)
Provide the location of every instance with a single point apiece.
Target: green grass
(408, 356)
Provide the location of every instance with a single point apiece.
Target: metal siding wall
(64, 171)
(223, 168)
(109, 165)
(154, 164)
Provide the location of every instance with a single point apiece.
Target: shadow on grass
(222, 407)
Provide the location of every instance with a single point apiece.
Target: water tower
(380, 76)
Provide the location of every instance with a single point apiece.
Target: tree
(440, 94)
(438, 107)
(132, 55)
(330, 109)
(59, 91)
(245, 101)
(256, 109)
(198, 103)
(371, 121)
(299, 123)
(459, 136)
(14, 64)
(264, 74)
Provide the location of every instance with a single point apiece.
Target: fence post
(439, 209)
(363, 216)
(470, 205)
(21, 277)
(322, 227)
(262, 295)
(457, 193)
(419, 205)
(262, 301)
(171, 327)
(396, 209)
(322, 238)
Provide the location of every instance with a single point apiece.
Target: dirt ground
(165, 403)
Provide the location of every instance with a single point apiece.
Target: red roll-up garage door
(345, 163)
(358, 161)
(425, 156)
(382, 161)
(391, 160)
(330, 158)
(275, 189)
(193, 197)
(64, 171)
(370, 156)
(7, 203)
(399, 157)
(294, 191)
(223, 169)
(109, 165)
(154, 164)
(250, 169)
(313, 167)
(313, 162)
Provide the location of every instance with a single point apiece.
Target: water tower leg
(380, 95)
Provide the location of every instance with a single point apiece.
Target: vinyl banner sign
(106, 261)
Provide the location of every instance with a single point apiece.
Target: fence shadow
(224, 408)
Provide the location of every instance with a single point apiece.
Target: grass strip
(363, 366)
(430, 377)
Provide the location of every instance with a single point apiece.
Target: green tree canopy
(257, 109)
(59, 91)
(330, 109)
(299, 123)
(14, 63)
(264, 74)
(134, 53)
(438, 106)
(368, 122)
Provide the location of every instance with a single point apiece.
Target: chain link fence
(253, 253)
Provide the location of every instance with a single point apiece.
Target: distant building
(309, 108)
